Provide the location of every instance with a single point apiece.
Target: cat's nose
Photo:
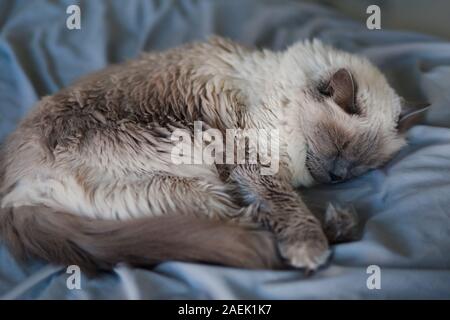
(335, 178)
(339, 171)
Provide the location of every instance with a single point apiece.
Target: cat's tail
(94, 244)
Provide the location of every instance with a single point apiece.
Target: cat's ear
(412, 113)
(342, 89)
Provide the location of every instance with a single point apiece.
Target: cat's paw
(309, 254)
(340, 223)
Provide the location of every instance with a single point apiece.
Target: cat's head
(347, 117)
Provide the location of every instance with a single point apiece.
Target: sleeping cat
(87, 178)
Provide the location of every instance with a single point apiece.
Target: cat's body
(101, 150)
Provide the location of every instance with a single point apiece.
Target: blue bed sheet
(404, 207)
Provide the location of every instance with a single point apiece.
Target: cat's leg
(163, 194)
(299, 233)
(149, 195)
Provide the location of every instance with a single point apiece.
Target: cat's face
(351, 133)
(345, 119)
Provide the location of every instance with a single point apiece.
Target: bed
(403, 208)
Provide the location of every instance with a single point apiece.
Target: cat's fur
(87, 176)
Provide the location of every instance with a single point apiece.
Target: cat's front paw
(309, 253)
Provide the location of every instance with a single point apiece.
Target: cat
(87, 176)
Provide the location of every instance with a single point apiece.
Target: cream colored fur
(109, 168)
(264, 81)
